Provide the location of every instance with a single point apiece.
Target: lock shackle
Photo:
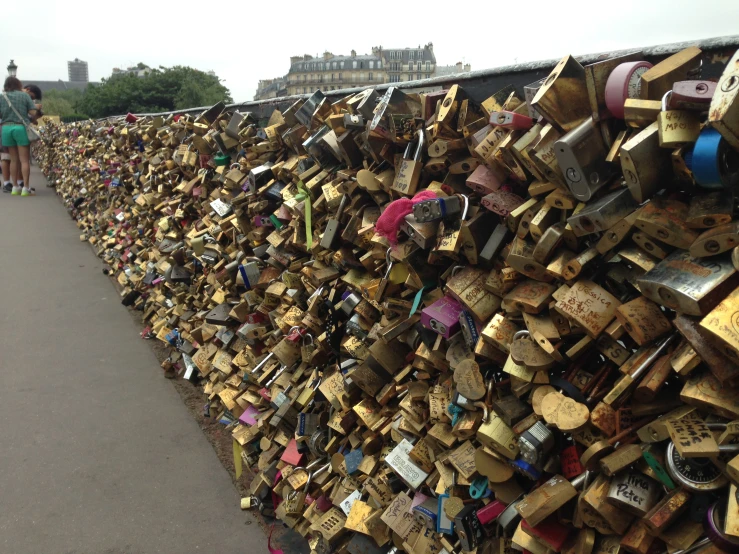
(466, 206)
(485, 411)
(419, 148)
(667, 95)
(256, 260)
(522, 333)
(388, 261)
(234, 165)
(456, 268)
(307, 336)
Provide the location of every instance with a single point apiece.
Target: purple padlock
(442, 316)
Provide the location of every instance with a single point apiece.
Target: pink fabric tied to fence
(392, 218)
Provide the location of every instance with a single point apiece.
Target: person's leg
(5, 163)
(24, 153)
(15, 163)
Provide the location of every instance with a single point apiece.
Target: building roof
(46, 86)
(302, 65)
(428, 54)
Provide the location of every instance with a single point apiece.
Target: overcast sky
(247, 41)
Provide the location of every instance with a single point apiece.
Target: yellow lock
(409, 171)
(676, 127)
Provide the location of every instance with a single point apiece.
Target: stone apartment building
(332, 72)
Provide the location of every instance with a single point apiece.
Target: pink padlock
(442, 316)
(490, 512)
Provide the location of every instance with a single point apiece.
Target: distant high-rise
(78, 71)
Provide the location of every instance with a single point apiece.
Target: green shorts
(14, 135)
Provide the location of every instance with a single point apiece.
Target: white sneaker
(16, 191)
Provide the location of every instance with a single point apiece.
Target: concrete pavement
(98, 454)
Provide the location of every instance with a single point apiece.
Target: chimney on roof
(467, 67)
(430, 46)
(354, 53)
(327, 55)
(459, 67)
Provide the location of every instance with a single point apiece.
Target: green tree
(162, 89)
(61, 102)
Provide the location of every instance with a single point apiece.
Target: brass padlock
(676, 127)
(409, 171)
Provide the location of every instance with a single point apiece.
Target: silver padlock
(634, 493)
(535, 443)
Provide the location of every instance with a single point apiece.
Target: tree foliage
(61, 102)
(160, 90)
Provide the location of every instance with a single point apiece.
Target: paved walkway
(98, 454)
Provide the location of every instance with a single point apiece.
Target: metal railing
(482, 83)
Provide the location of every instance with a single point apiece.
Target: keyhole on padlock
(630, 176)
(573, 174)
(712, 246)
(666, 295)
(730, 84)
(587, 224)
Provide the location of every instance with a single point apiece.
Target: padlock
(581, 155)
(438, 208)
(723, 114)
(468, 528)
(644, 163)
(624, 82)
(442, 316)
(511, 120)
(712, 162)
(409, 171)
(634, 493)
(535, 443)
(693, 286)
(331, 233)
(676, 127)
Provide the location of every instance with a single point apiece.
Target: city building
(333, 72)
(78, 71)
(139, 70)
(459, 67)
(409, 64)
(271, 88)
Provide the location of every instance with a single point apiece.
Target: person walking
(15, 107)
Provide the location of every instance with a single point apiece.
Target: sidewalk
(98, 453)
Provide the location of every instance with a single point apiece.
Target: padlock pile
(438, 325)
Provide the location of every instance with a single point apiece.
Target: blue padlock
(713, 162)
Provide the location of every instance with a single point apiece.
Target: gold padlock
(677, 127)
(409, 171)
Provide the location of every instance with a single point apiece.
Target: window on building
(354, 64)
(410, 54)
(332, 76)
(371, 64)
(428, 66)
(370, 75)
(410, 66)
(305, 90)
(379, 64)
(339, 76)
(419, 76)
(428, 75)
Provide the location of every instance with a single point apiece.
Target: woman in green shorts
(14, 136)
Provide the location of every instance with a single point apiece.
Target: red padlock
(549, 531)
(511, 120)
(570, 460)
